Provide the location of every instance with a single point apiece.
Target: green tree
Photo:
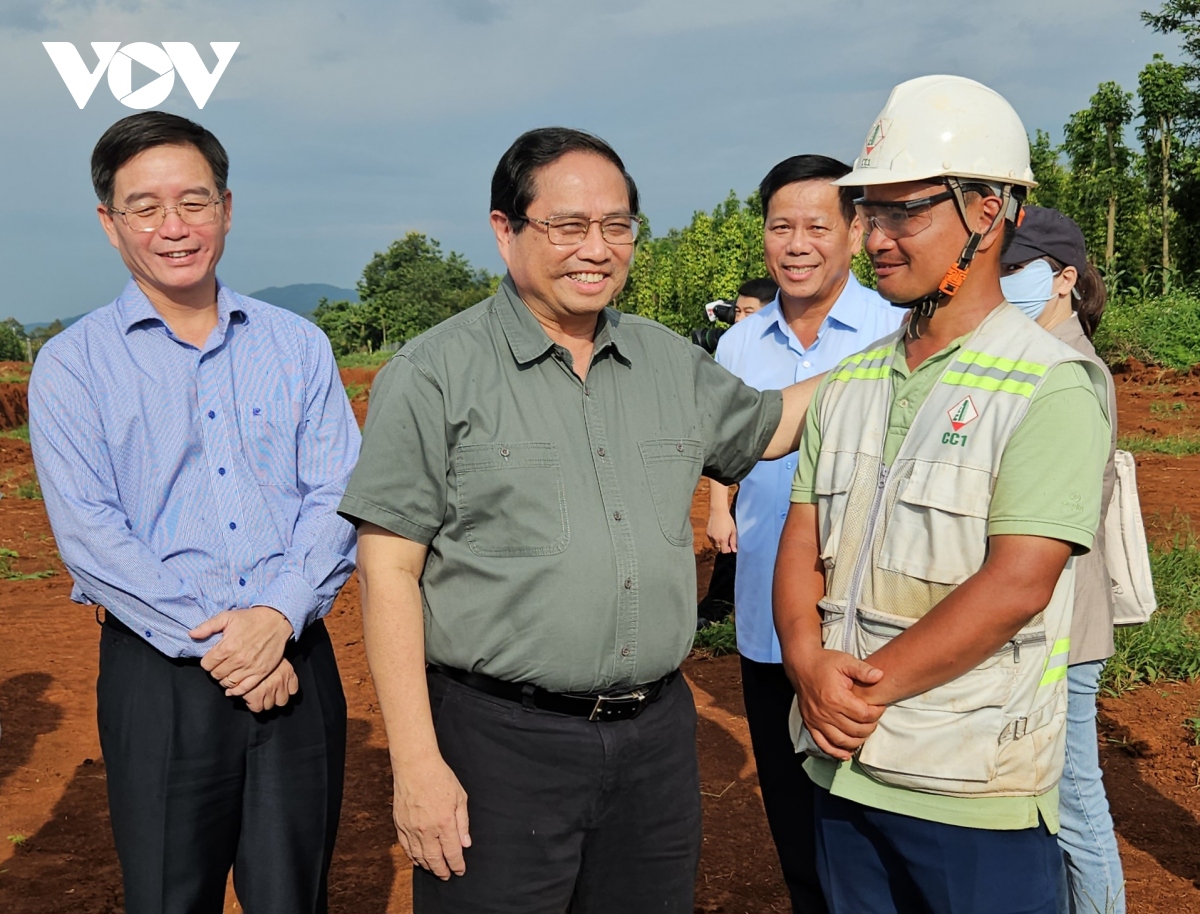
(1101, 189)
(38, 338)
(1164, 97)
(1048, 170)
(404, 291)
(674, 276)
(12, 341)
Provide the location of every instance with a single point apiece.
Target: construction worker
(946, 478)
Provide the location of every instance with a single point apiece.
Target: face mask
(1031, 288)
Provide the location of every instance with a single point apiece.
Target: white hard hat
(944, 126)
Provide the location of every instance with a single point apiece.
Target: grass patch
(1168, 646)
(17, 840)
(716, 638)
(363, 359)
(30, 490)
(355, 390)
(1174, 445)
(20, 433)
(7, 573)
(1163, 330)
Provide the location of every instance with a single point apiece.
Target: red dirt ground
(52, 797)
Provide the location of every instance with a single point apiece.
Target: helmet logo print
(877, 136)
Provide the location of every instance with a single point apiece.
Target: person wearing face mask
(1045, 273)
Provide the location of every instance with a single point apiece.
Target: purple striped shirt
(181, 482)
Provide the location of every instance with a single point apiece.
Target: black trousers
(786, 790)
(566, 814)
(198, 784)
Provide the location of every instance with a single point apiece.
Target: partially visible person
(820, 315)
(192, 445)
(1046, 274)
(752, 296)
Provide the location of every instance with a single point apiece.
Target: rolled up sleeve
(738, 420)
(401, 478)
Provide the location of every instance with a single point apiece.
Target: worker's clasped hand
(838, 720)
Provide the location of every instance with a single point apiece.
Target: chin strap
(927, 306)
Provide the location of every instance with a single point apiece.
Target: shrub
(1162, 330)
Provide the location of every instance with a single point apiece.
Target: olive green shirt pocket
(511, 498)
(673, 470)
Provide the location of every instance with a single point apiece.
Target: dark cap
(1047, 232)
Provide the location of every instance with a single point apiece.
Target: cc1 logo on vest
(118, 60)
(961, 414)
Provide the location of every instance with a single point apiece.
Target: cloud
(350, 123)
(477, 11)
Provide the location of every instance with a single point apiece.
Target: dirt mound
(358, 377)
(14, 405)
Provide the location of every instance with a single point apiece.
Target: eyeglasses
(901, 219)
(566, 230)
(150, 218)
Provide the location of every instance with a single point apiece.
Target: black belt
(597, 706)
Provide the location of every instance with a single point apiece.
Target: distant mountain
(302, 298)
(67, 322)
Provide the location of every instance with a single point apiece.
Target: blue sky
(349, 124)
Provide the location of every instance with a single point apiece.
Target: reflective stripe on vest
(994, 373)
(1055, 667)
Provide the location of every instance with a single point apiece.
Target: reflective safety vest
(896, 540)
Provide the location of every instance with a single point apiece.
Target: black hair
(513, 187)
(135, 134)
(763, 289)
(1093, 296)
(809, 168)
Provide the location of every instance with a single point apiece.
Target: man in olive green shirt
(523, 501)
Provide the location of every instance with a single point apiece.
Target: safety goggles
(900, 219)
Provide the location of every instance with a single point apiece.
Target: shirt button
(617, 515)
(211, 414)
(600, 451)
(221, 470)
(903, 404)
(783, 514)
(808, 364)
(504, 452)
(242, 581)
(629, 583)
(679, 447)
(788, 464)
(587, 391)
(625, 651)
(232, 525)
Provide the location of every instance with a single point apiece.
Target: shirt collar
(135, 308)
(527, 338)
(850, 310)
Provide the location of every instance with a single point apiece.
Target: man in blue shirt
(193, 445)
(820, 316)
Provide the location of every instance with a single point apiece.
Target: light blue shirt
(762, 350)
(181, 482)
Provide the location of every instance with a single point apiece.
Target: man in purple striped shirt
(193, 446)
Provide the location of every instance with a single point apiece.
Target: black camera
(707, 337)
(721, 310)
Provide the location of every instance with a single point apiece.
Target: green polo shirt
(1048, 485)
(556, 511)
